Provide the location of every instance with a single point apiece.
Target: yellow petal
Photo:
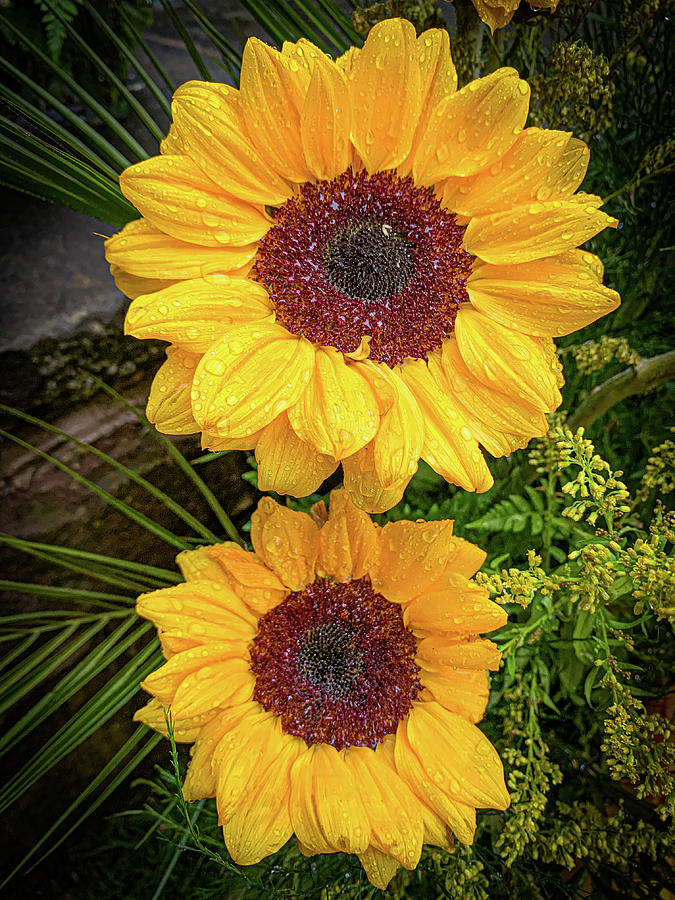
(568, 173)
(259, 823)
(201, 610)
(197, 681)
(326, 121)
(449, 447)
(379, 867)
(462, 691)
(507, 361)
(472, 128)
(461, 817)
(436, 831)
(287, 541)
(448, 651)
(506, 412)
(516, 177)
(385, 95)
(142, 249)
(243, 572)
(248, 377)
(460, 608)
(535, 230)
(272, 95)
(214, 442)
(395, 821)
(200, 779)
(133, 286)
(288, 465)
(496, 15)
(363, 484)
(209, 120)
(177, 197)
(456, 754)
(348, 541)
(169, 407)
(326, 809)
(438, 80)
(172, 144)
(245, 753)
(410, 554)
(398, 443)
(346, 62)
(337, 412)
(552, 296)
(195, 314)
(184, 731)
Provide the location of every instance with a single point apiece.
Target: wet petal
(471, 129)
(288, 465)
(143, 250)
(385, 94)
(449, 446)
(516, 177)
(177, 197)
(379, 867)
(195, 314)
(248, 377)
(456, 754)
(510, 362)
(326, 121)
(410, 554)
(552, 296)
(462, 691)
(535, 230)
(348, 541)
(395, 821)
(287, 541)
(398, 443)
(337, 412)
(460, 608)
(363, 484)
(448, 651)
(272, 96)
(326, 809)
(169, 407)
(184, 731)
(209, 120)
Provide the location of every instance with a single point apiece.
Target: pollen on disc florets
(366, 255)
(336, 663)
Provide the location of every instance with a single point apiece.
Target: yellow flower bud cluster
(596, 576)
(577, 92)
(579, 832)
(520, 585)
(594, 494)
(531, 774)
(653, 573)
(543, 454)
(659, 159)
(637, 747)
(593, 355)
(660, 470)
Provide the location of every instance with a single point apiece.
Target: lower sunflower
(330, 682)
(356, 263)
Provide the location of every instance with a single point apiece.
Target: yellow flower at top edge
(355, 263)
(498, 13)
(330, 682)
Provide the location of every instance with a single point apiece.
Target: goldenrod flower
(330, 682)
(354, 262)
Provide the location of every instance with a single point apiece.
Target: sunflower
(330, 681)
(353, 262)
(498, 13)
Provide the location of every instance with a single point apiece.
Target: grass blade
(155, 492)
(187, 40)
(181, 462)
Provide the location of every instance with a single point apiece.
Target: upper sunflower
(355, 262)
(330, 682)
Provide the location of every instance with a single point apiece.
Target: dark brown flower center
(366, 255)
(336, 664)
